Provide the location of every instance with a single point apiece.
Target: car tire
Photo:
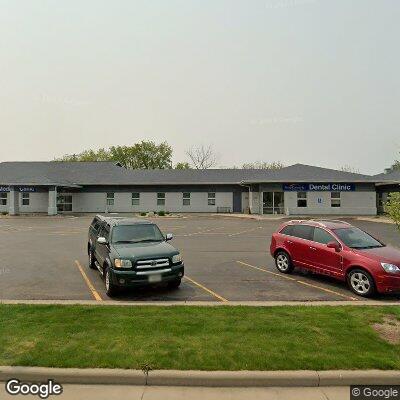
(174, 284)
(361, 283)
(91, 259)
(283, 262)
(111, 289)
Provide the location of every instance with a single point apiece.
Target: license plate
(154, 278)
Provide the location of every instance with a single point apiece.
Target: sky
(308, 81)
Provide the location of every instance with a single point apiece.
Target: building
(62, 187)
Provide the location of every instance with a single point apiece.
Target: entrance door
(273, 203)
(64, 202)
(237, 202)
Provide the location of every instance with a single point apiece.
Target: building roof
(388, 177)
(75, 174)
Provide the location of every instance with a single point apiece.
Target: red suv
(338, 249)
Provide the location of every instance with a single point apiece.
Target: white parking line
(248, 230)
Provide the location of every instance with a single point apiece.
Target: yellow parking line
(94, 292)
(206, 289)
(298, 281)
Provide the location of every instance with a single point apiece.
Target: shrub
(393, 208)
(143, 214)
(161, 213)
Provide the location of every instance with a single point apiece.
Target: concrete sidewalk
(208, 303)
(117, 392)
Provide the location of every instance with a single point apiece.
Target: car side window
(322, 236)
(105, 232)
(303, 231)
(287, 230)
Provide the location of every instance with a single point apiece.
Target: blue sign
(319, 187)
(4, 189)
(24, 189)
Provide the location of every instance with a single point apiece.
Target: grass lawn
(204, 338)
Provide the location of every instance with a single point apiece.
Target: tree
(202, 157)
(349, 168)
(263, 165)
(393, 208)
(182, 165)
(143, 155)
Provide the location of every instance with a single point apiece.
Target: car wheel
(361, 282)
(283, 262)
(174, 284)
(111, 289)
(92, 259)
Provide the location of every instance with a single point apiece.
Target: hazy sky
(311, 81)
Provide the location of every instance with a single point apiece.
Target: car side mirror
(101, 240)
(169, 236)
(334, 245)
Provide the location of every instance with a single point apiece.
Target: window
(303, 231)
(186, 199)
(287, 230)
(135, 199)
(322, 236)
(64, 202)
(3, 199)
(161, 199)
(357, 239)
(25, 199)
(301, 199)
(335, 199)
(110, 199)
(211, 198)
(137, 233)
(105, 232)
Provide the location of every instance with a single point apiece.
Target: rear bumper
(132, 279)
(388, 283)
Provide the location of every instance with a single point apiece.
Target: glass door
(273, 203)
(64, 202)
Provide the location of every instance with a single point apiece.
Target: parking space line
(94, 292)
(200, 232)
(206, 289)
(298, 281)
(248, 230)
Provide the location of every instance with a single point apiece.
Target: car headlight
(120, 263)
(177, 258)
(391, 268)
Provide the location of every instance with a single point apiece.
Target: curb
(201, 378)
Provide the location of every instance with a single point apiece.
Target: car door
(103, 249)
(299, 244)
(326, 260)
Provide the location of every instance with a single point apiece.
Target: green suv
(132, 252)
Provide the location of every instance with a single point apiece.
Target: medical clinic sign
(319, 187)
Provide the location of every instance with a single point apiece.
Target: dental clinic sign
(319, 187)
(22, 189)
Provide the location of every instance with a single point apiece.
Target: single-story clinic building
(85, 187)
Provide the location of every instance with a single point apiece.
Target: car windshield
(357, 239)
(136, 233)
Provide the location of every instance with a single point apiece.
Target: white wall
(96, 202)
(352, 203)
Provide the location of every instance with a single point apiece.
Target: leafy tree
(143, 155)
(182, 165)
(263, 165)
(393, 208)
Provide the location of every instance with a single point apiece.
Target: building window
(3, 199)
(161, 199)
(301, 199)
(211, 198)
(186, 199)
(135, 199)
(110, 199)
(64, 202)
(335, 199)
(25, 199)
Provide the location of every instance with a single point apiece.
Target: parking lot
(226, 259)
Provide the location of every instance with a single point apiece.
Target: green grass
(204, 338)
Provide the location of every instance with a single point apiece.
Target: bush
(143, 214)
(393, 208)
(161, 213)
(4, 213)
